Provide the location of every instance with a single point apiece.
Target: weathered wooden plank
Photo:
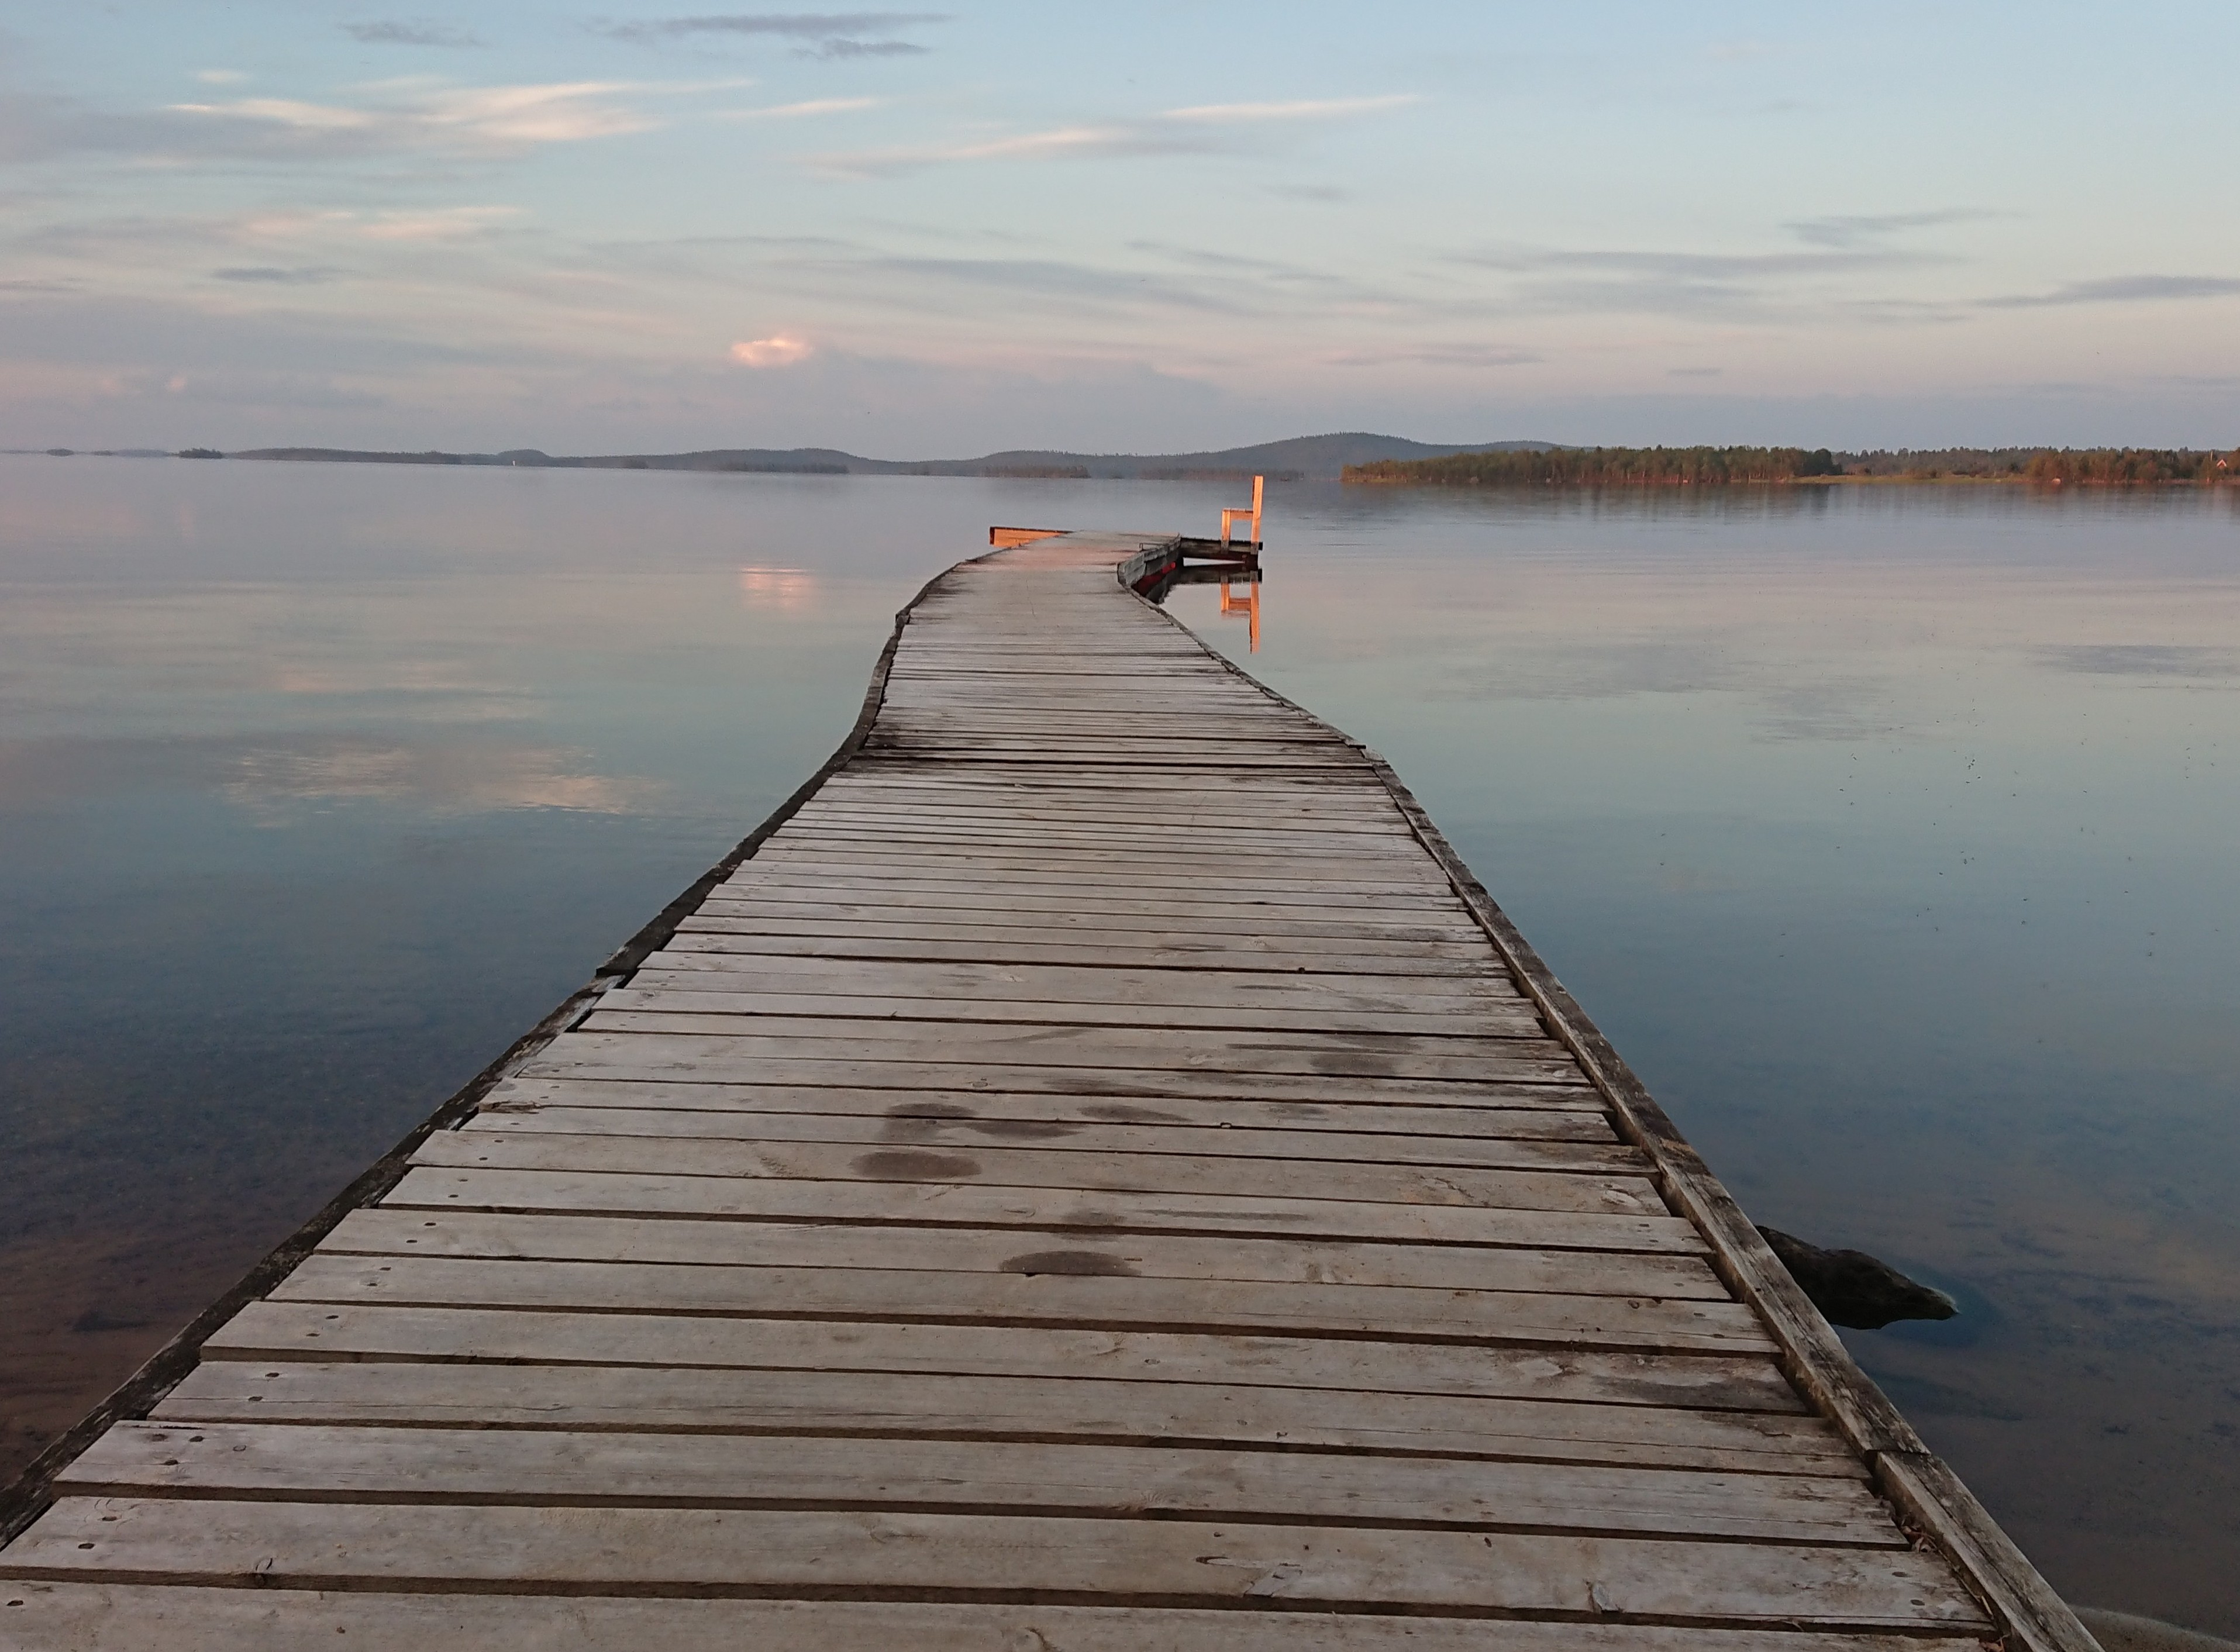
(1125, 891)
(1377, 844)
(622, 1549)
(647, 1055)
(586, 1238)
(1349, 787)
(812, 863)
(282, 1331)
(906, 937)
(1313, 809)
(882, 1404)
(1370, 961)
(1119, 1302)
(126, 1617)
(1003, 1165)
(1489, 1151)
(1111, 984)
(1520, 1112)
(671, 995)
(1151, 845)
(612, 1467)
(1357, 1056)
(1057, 1209)
(1154, 912)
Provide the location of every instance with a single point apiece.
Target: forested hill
(1707, 466)
(1308, 458)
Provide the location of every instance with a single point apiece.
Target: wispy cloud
(481, 118)
(417, 31)
(1321, 109)
(274, 276)
(803, 110)
(1858, 230)
(1203, 128)
(2123, 290)
(821, 34)
(1654, 281)
(1461, 355)
(1696, 266)
(864, 48)
(1073, 288)
(438, 224)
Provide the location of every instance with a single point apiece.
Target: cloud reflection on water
(269, 781)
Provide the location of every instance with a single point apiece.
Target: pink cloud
(779, 349)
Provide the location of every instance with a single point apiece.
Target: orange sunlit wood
(1229, 518)
(1005, 538)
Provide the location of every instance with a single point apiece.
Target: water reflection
(271, 783)
(1245, 606)
(785, 589)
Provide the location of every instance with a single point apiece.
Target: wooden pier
(1095, 1173)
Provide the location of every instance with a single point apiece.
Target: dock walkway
(1095, 1175)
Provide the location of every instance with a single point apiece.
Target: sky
(1116, 227)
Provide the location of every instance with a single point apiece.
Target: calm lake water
(1889, 832)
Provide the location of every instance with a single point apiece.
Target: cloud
(1852, 230)
(1306, 110)
(864, 48)
(1199, 130)
(417, 116)
(1693, 372)
(273, 275)
(1040, 278)
(779, 349)
(220, 77)
(480, 117)
(419, 32)
(826, 34)
(436, 223)
(798, 111)
(1442, 356)
(1648, 281)
(2123, 289)
(1693, 266)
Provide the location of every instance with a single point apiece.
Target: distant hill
(1301, 457)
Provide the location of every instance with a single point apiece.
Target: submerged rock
(2122, 1632)
(1855, 1289)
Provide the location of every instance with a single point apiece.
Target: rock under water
(1854, 1289)
(2122, 1632)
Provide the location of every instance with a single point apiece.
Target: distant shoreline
(1788, 467)
(1359, 458)
(1294, 459)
